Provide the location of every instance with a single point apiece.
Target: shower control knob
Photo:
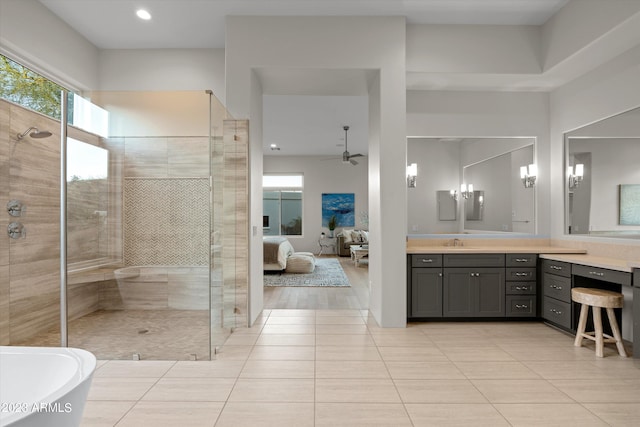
(16, 208)
(16, 230)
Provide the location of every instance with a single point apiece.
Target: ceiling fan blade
(353, 162)
(356, 155)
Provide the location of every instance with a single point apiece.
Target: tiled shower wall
(166, 201)
(29, 267)
(166, 221)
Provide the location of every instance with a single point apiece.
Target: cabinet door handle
(522, 306)
(521, 274)
(555, 267)
(596, 273)
(439, 274)
(522, 259)
(427, 260)
(554, 311)
(555, 287)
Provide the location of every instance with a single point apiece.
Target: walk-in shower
(153, 245)
(35, 134)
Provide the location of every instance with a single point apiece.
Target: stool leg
(616, 331)
(597, 323)
(582, 324)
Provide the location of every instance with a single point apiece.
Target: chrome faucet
(457, 242)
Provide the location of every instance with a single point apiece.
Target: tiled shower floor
(154, 334)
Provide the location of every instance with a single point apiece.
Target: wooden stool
(597, 299)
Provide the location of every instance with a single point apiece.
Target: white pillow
(347, 234)
(356, 236)
(365, 236)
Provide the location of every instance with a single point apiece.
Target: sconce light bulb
(580, 169)
(523, 172)
(533, 170)
(470, 188)
(463, 188)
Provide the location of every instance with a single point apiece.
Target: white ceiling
(112, 24)
(313, 125)
(295, 117)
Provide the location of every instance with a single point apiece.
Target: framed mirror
(492, 165)
(602, 178)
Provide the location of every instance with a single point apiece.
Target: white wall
(162, 70)
(356, 43)
(488, 114)
(161, 113)
(37, 38)
(583, 24)
(321, 176)
(504, 49)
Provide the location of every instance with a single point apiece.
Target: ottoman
(301, 262)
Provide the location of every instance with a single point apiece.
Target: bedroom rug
(328, 272)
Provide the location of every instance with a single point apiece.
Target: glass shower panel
(155, 302)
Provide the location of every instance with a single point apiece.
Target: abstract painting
(342, 205)
(630, 204)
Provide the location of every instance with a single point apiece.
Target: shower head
(35, 134)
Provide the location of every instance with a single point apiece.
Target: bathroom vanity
(508, 283)
(472, 285)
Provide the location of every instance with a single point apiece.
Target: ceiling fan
(346, 157)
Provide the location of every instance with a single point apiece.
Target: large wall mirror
(602, 179)
(496, 199)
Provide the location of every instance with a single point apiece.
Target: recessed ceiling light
(143, 14)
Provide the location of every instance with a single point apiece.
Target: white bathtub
(44, 386)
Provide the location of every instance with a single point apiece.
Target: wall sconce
(453, 194)
(575, 178)
(528, 174)
(412, 173)
(465, 191)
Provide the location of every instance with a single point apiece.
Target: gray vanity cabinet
(475, 290)
(425, 299)
(521, 290)
(556, 285)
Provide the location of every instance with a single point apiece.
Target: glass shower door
(155, 302)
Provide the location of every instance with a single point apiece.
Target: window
(24, 87)
(282, 205)
(87, 203)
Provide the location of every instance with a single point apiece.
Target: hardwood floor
(320, 298)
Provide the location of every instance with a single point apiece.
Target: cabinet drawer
(612, 276)
(474, 260)
(521, 288)
(526, 273)
(521, 260)
(557, 312)
(426, 260)
(556, 267)
(557, 287)
(521, 306)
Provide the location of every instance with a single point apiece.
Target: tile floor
(335, 368)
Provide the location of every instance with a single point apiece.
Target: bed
(276, 252)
